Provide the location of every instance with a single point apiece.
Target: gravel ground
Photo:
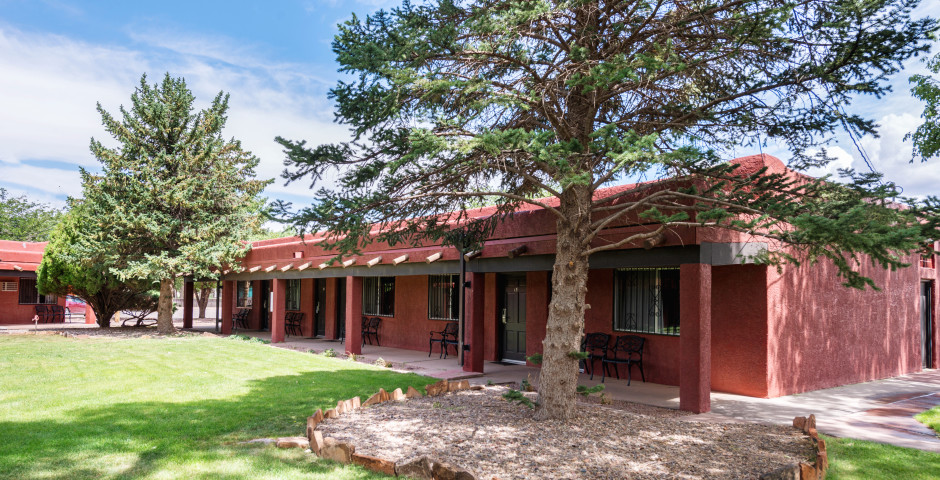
(480, 431)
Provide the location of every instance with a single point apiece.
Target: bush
(329, 352)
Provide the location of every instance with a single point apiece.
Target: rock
(316, 442)
(375, 464)
(313, 421)
(789, 472)
(807, 472)
(822, 463)
(813, 433)
(383, 395)
(458, 386)
(348, 406)
(412, 393)
(357, 403)
(436, 389)
(331, 413)
(373, 400)
(337, 451)
(446, 471)
(340, 407)
(293, 442)
(418, 468)
(810, 423)
(477, 387)
(798, 422)
(397, 395)
(208, 334)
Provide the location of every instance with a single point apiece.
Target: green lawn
(168, 408)
(858, 459)
(931, 418)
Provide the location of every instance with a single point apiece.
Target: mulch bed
(485, 434)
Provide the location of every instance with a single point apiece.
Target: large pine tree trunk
(165, 307)
(558, 381)
(202, 300)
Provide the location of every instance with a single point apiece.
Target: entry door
(265, 304)
(319, 329)
(341, 308)
(926, 316)
(513, 318)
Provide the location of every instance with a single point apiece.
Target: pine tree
(174, 198)
(508, 101)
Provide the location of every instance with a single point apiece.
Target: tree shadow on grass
(197, 439)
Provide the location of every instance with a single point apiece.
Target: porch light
(521, 249)
(349, 263)
(375, 261)
(435, 257)
(254, 269)
(403, 258)
(304, 266)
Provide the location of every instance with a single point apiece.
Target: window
(244, 294)
(378, 296)
(647, 300)
(29, 294)
(8, 286)
(443, 297)
(292, 295)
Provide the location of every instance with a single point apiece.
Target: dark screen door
(341, 308)
(926, 317)
(320, 295)
(513, 318)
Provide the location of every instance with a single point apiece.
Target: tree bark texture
(202, 300)
(165, 307)
(558, 380)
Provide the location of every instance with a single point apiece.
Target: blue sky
(59, 57)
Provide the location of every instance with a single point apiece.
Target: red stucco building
(711, 320)
(18, 293)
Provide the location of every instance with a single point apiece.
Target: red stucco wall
(739, 330)
(823, 334)
(11, 312)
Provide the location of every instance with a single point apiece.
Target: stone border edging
(419, 467)
(805, 471)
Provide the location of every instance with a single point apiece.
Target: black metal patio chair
(240, 319)
(293, 323)
(627, 350)
(370, 330)
(445, 337)
(595, 345)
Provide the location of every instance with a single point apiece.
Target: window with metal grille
(8, 286)
(443, 297)
(244, 294)
(646, 300)
(29, 294)
(378, 296)
(292, 295)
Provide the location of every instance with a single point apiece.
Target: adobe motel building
(711, 321)
(18, 294)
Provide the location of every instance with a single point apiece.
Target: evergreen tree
(175, 197)
(76, 262)
(927, 88)
(24, 220)
(456, 103)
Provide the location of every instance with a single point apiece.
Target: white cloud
(51, 83)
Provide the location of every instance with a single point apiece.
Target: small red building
(711, 320)
(18, 293)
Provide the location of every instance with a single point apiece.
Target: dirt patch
(491, 437)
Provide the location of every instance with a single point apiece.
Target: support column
(354, 315)
(279, 297)
(188, 291)
(473, 362)
(330, 304)
(227, 301)
(695, 306)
